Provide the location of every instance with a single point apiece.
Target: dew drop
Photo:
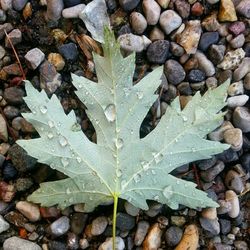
(62, 141)
(50, 135)
(42, 129)
(168, 192)
(119, 143)
(52, 165)
(145, 165)
(184, 118)
(137, 178)
(153, 172)
(51, 124)
(80, 86)
(78, 158)
(76, 127)
(68, 191)
(177, 182)
(43, 109)
(158, 157)
(110, 112)
(59, 124)
(139, 94)
(65, 162)
(119, 173)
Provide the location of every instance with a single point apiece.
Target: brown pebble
(153, 239)
(197, 9)
(7, 191)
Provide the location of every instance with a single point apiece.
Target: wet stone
(207, 39)
(174, 72)
(125, 222)
(196, 75)
(69, 51)
(173, 236)
(19, 4)
(60, 226)
(158, 51)
(141, 232)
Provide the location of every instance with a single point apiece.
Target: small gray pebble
(60, 226)
(173, 236)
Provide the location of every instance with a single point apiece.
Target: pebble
(247, 82)
(225, 226)
(2, 52)
(153, 238)
(210, 23)
(83, 243)
(34, 58)
(56, 245)
(242, 70)
(11, 112)
(236, 88)
(233, 199)
(170, 21)
(69, 51)
(23, 184)
(190, 239)
(107, 245)
(78, 222)
(241, 119)
(217, 135)
(196, 75)
(207, 39)
(227, 11)
(207, 163)
(174, 72)
(156, 34)
(211, 226)
(232, 59)
(240, 245)
(4, 225)
(13, 95)
(19, 4)
(7, 191)
(50, 80)
(190, 37)
(236, 28)
(141, 232)
(183, 8)
(158, 51)
(124, 221)
(19, 244)
(154, 209)
(60, 226)
(15, 36)
(54, 10)
(138, 22)
(3, 129)
(210, 174)
(131, 209)
(6, 26)
(197, 9)
(57, 60)
(152, 11)
(176, 49)
(99, 225)
(6, 4)
(128, 5)
(243, 8)
(234, 138)
(178, 220)
(163, 3)
(3, 16)
(130, 42)
(237, 42)
(205, 64)
(237, 101)
(74, 11)
(173, 236)
(234, 182)
(212, 1)
(29, 210)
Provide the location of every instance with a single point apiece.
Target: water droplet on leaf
(65, 162)
(110, 112)
(139, 94)
(63, 142)
(119, 143)
(119, 173)
(50, 135)
(51, 124)
(137, 178)
(78, 158)
(68, 191)
(168, 192)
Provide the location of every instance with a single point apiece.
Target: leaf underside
(121, 163)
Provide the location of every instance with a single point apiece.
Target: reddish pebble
(23, 233)
(197, 9)
(49, 212)
(237, 28)
(7, 192)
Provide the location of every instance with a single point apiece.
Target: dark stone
(111, 4)
(19, 4)
(207, 39)
(9, 172)
(246, 142)
(212, 226)
(196, 75)
(225, 226)
(70, 3)
(236, 28)
(184, 88)
(128, 5)
(181, 170)
(57, 245)
(173, 236)
(183, 8)
(174, 72)
(212, 172)
(125, 222)
(207, 163)
(228, 156)
(157, 51)
(69, 51)
(13, 95)
(245, 162)
(216, 53)
(125, 29)
(11, 112)
(246, 48)
(238, 220)
(211, 194)
(220, 246)
(78, 222)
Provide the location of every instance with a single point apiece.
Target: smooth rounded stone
(240, 245)
(210, 22)
(224, 207)
(6, 4)
(216, 53)
(156, 34)
(4, 225)
(227, 11)
(237, 101)
(243, 8)
(233, 199)
(83, 243)
(9, 172)
(158, 51)
(128, 5)
(19, 4)
(10, 112)
(242, 70)
(99, 225)
(73, 12)
(6, 26)
(173, 236)
(130, 42)
(210, 174)
(211, 82)
(209, 213)
(204, 64)
(209, 225)
(13, 95)
(57, 60)
(29, 210)
(232, 59)
(54, 9)
(60, 226)
(7, 191)
(237, 42)
(107, 245)
(237, 28)
(154, 209)
(176, 49)
(207, 163)
(196, 75)
(220, 246)
(19, 244)
(19, 123)
(174, 72)
(212, 1)
(183, 8)
(178, 220)
(234, 138)
(125, 221)
(190, 37)
(153, 238)
(228, 155)
(78, 222)
(163, 3)
(69, 51)
(218, 134)
(241, 119)
(131, 209)
(207, 39)
(138, 22)
(234, 182)
(15, 36)
(23, 184)
(34, 58)
(170, 21)
(197, 9)
(72, 241)
(225, 226)
(141, 232)
(152, 11)
(71, 3)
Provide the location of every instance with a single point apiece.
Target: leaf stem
(114, 220)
